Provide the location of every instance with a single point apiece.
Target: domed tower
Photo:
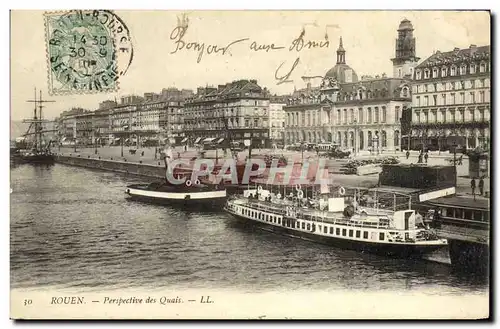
(341, 72)
(406, 58)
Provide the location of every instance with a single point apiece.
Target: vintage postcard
(250, 164)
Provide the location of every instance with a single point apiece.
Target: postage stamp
(82, 50)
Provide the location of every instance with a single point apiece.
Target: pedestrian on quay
(419, 158)
(426, 156)
(407, 154)
(473, 187)
(142, 153)
(481, 185)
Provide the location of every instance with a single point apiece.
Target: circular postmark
(88, 50)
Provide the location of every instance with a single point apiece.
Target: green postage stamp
(82, 51)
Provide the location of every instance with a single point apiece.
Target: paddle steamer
(365, 220)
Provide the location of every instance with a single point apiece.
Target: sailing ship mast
(37, 120)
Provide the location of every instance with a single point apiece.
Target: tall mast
(37, 121)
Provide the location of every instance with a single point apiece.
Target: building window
(426, 74)
(435, 100)
(418, 100)
(384, 138)
(453, 71)
(443, 72)
(482, 67)
(426, 100)
(345, 115)
(418, 74)
(360, 115)
(384, 114)
(463, 69)
(369, 115)
(435, 72)
(375, 119)
(325, 229)
(331, 230)
(453, 99)
(344, 232)
(352, 115)
(351, 233)
(381, 236)
(337, 231)
(365, 235)
(481, 96)
(358, 234)
(472, 68)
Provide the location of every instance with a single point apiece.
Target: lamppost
(302, 150)
(355, 137)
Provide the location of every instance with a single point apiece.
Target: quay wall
(134, 168)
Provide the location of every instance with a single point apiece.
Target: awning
(208, 140)
(197, 140)
(184, 140)
(220, 140)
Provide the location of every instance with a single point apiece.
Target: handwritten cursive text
(178, 33)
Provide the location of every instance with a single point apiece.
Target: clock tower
(406, 59)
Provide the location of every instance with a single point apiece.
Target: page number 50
(28, 302)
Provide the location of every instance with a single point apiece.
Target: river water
(72, 228)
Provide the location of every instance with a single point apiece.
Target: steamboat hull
(37, 159)
(396, 250)
(213, 200)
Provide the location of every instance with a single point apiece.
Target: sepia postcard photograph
(257, 164)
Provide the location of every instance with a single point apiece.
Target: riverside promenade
(146, 156)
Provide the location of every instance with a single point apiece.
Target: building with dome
(361, 114)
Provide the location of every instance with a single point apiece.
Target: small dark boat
(188, 194)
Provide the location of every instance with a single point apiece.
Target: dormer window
(360, 94)
(472, 68)
(463, 69)
(418, 74)
(482, 67)
(404, 92)
(453, 71)
(426, 74)
(435, 72)
(444, 71)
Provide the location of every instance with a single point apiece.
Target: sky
(368, 37)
